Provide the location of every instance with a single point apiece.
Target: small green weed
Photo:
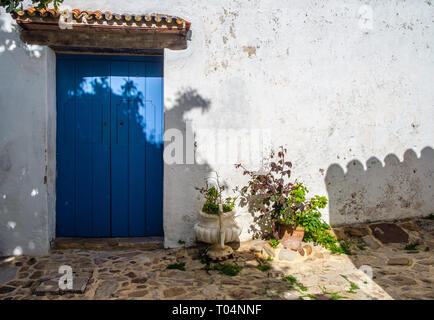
(361, 247)
(302, 287)
(290, 278)
(353, 286)
(430, 216)
(227, 268)
(177, 266)
(293, 281)
(342, 248)
(264, 267)
(411, 246)
(204, 258)
(334, 295)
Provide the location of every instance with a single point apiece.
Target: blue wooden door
(109, 146)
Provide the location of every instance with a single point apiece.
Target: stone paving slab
(7, 274)
(133, 273)
(147, 243)
(389, 233)
(50, 284)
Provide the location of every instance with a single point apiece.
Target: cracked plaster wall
(313, 75)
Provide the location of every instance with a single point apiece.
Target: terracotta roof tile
(98, 15)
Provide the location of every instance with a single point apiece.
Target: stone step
(146, 243)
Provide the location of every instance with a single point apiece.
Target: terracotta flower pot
(291, 237)
(289, 232)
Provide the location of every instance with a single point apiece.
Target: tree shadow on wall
(10, 40)
(182, 200)
(91, 113)
(20, 63)
(261, 227)
(393, 191)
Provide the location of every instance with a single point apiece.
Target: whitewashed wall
(352, 99)
(26, 180)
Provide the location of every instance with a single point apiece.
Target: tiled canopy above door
(97, 29)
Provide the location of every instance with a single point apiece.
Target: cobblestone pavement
(138, 274)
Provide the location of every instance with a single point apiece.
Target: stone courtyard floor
(398, 271)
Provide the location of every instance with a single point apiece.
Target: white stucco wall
(329, 90)
(353, 104)
(25, 223)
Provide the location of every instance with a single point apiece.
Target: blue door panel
(65, 195)
(154, 146)
(100, 142)
(136, 152)
(109, 146)
(119, 147)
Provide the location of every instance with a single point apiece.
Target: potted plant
(268, 190)
(299, 214)
(280, 201)
(216, 223)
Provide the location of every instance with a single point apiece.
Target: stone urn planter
(217, 229)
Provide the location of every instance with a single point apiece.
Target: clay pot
(291, 237)
(289, 232)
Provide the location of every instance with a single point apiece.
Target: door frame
(50, 177)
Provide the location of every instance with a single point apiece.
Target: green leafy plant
(309, 217)
(430, 216)
(17, 5)
(268, 189)
(282, 202)
(333, 295)
(339, 247)
(302, 287)
(226, 268)
(213, 197)
(264, 267)
(203, 257)
(411, 246)
(229, 204)
(289, 278)
(300, 211)
(353, 286)
(177, 266)
(293, 281)
(274, 243)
